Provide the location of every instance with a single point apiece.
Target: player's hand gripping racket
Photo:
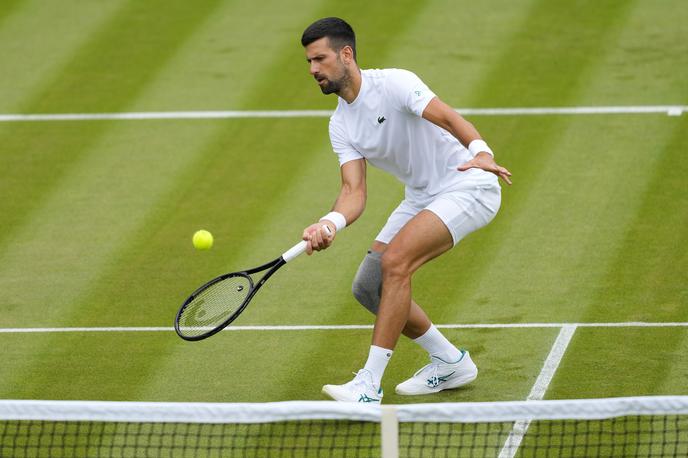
(216, 304)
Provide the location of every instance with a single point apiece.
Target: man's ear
(347, 54)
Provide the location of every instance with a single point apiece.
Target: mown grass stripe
(671, 110)
(550, 58)
(649, 265)
(541, 72)
(108, 72)
(83, 192)
(165, 182)
(580, 208)
(8, 7)
(220, 170)
(39, 39)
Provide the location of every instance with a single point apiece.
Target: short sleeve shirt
(384, 126)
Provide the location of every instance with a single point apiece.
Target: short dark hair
(335, 29)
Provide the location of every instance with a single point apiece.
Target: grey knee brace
(367, 285)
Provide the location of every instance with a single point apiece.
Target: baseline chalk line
(670, 110)
(630, 324)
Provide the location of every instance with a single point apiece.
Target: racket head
(213, 306)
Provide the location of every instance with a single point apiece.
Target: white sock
(438, 346)
(378, 358)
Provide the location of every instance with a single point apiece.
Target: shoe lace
(363, 379)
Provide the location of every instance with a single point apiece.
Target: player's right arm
(350, 204)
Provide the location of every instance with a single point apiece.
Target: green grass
(97, 216)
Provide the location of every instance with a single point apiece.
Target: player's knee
(367, 283)
(394, 264)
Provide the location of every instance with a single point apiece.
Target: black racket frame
(272, 265)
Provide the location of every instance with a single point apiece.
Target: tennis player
(392, 120)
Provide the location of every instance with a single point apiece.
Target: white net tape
(470, 412)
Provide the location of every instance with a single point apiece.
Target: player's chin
(328, 88)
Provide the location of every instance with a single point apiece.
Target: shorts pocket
(490, 197)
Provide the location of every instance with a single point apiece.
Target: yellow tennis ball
(202, 240)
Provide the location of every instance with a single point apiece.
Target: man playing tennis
(392, 120)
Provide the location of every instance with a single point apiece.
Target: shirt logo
(417, 93)
(381, 119)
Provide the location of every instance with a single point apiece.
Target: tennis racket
(213, 306)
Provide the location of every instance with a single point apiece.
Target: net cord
(470, 412)
(571, 409)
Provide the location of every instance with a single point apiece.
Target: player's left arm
(444, 116)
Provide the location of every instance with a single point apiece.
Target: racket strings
(214, 305)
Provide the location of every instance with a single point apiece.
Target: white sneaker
(440, 375)
(360, 389)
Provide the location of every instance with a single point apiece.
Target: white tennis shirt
(384, 126)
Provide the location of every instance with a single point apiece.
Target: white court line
(622, 324)
(307, 327)
(552, 362)
(539, 388)
(670, 110)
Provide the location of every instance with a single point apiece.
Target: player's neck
(350, 92)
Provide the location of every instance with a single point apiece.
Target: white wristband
(337, 218)
(478, 146)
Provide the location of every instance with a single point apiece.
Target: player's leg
(462, 212)
(367, 287)
(423, 238)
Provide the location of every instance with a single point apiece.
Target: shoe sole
(332, 394)
(326, 391)
(465, 380)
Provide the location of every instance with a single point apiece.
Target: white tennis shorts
(463, 210)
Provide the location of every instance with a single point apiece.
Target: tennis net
(615, 427)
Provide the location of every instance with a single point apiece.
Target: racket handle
(300, 248)
(295, 251)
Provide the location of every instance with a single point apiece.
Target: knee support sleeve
(367, 286)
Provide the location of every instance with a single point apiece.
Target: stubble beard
(336, 86)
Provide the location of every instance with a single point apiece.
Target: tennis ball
(202, 240)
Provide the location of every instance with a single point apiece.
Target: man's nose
(314, 68)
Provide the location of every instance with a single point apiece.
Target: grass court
(96, 216)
